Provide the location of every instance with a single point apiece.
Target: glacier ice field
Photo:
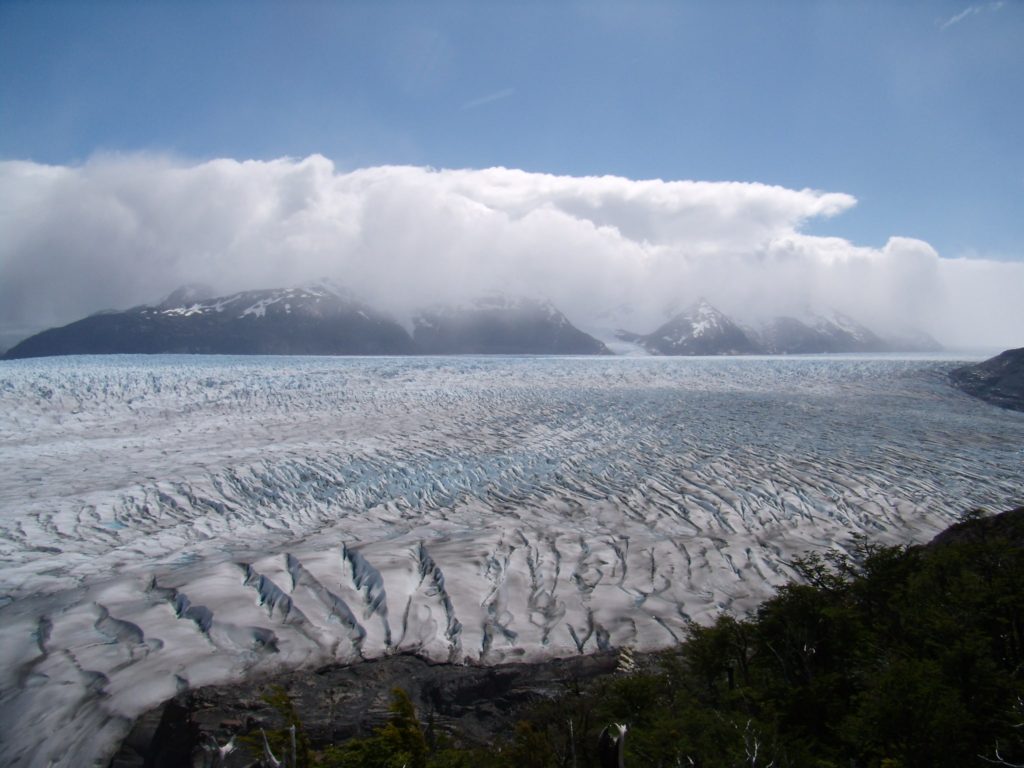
(168, 522)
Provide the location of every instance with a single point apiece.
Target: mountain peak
(190, 293)
(500, 324)
(700, 330)
(312, 320)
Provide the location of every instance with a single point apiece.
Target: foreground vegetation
(886, 657)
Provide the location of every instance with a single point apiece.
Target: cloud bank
(124, 230)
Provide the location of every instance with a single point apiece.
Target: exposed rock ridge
(998, 380)
(340, 702)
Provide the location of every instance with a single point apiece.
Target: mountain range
(318, 319)
(298, 321)
(322, 319)
(704, 330)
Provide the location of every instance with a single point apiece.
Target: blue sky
(916, 109)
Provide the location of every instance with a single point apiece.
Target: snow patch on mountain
(699, 330)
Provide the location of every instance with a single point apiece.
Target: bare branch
(274, 762)
(1000, 760)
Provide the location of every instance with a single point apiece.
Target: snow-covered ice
(168, 522)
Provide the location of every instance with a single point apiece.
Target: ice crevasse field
(168, 522)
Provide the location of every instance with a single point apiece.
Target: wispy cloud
(971, 10)
(490, 98)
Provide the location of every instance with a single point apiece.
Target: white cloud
(123, 230)
(971, 10)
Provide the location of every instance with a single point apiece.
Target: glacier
(168, 522)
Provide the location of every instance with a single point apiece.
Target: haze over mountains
(704, 330)
(499, 325)
(317, 319)
(123, 231)
(323, 319)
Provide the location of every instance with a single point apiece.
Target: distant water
(169, 521)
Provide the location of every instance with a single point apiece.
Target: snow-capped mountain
(317, 319)
(501, 325)
(832, 332)
(699, 330)
(704, 330)
(324, 319)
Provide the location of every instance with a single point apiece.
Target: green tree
(399, 743)
(280, 739)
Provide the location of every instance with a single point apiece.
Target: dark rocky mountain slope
(998, 380)
(314, 320)
(320, 319)
(500, 325)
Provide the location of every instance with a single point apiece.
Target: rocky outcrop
(998, 380)
(340, 702)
